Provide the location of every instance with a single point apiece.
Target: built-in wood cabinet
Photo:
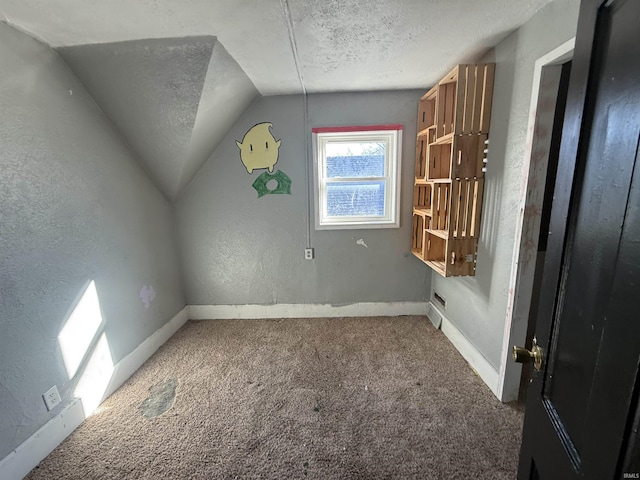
(453, 133)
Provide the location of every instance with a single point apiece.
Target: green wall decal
(284, 183)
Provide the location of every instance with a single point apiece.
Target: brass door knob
(535, 355)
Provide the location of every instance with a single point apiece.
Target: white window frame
(391, 135)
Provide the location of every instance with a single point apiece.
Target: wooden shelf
(453, 129)
(444, 139)
(417, 254)
(437, 266)
(425, 132)
(425, 212)
(444, 234)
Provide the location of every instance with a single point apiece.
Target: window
(357, 173)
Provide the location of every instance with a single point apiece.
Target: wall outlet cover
(51, 397)
(308, 253)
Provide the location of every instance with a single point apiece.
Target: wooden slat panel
(418, 237)
(435, 248)
(461, 201)
(468, 100)
(449, 107)
(445, 204)
(445, 154)
(457, 255)
(441, 196)
(440, 106)
(459, 97)
(418, 150)
(477, 99)
(455, 208)
(426, 113)
(439, 161)
(471, 187)
(465, 156)
(436, 218)
(422, 196)
(423, 158)
(487, 97)
(431, 162)
(477, 207)
(431, 135)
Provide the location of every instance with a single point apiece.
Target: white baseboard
(291, 310)
(470, 353)
(35, 448)
(126, 367)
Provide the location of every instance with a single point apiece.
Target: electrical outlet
(308, 253)
(51, 397)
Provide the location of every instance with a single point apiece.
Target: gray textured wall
(75, 207)
(240, 249)
(477, 305)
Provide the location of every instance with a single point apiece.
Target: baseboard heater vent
(440, 299)
(434, 315)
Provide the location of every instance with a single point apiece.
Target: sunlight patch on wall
(80, 330)
(96, 377)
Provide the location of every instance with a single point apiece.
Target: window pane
(355, 159)
(355, 199)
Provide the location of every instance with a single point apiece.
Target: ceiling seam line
(294, 50)
(292, 41)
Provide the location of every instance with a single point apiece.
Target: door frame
(523, 265)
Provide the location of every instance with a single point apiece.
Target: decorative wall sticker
(259, 148)
(283, 185)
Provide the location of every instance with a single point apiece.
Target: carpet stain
(161, 398)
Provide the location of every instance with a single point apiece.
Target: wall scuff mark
(147, 294)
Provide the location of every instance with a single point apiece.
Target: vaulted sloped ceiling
(172, 100)
(226, 93)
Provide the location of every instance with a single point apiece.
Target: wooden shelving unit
(453, 131)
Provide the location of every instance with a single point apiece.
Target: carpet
(326, 398)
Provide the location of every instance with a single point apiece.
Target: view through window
(357, 173)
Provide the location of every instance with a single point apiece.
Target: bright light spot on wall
(96, 377)
(80, 330)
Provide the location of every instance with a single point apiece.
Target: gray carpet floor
(340, 398)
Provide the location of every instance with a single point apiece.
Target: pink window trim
(367, 128)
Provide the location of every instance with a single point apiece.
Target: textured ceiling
(159, 70)
(342, 45)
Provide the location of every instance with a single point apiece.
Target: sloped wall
(75, 207)
(171, 99)
(240, 249)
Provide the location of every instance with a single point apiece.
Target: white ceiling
(342, 45)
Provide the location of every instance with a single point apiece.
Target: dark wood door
(581, 406)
